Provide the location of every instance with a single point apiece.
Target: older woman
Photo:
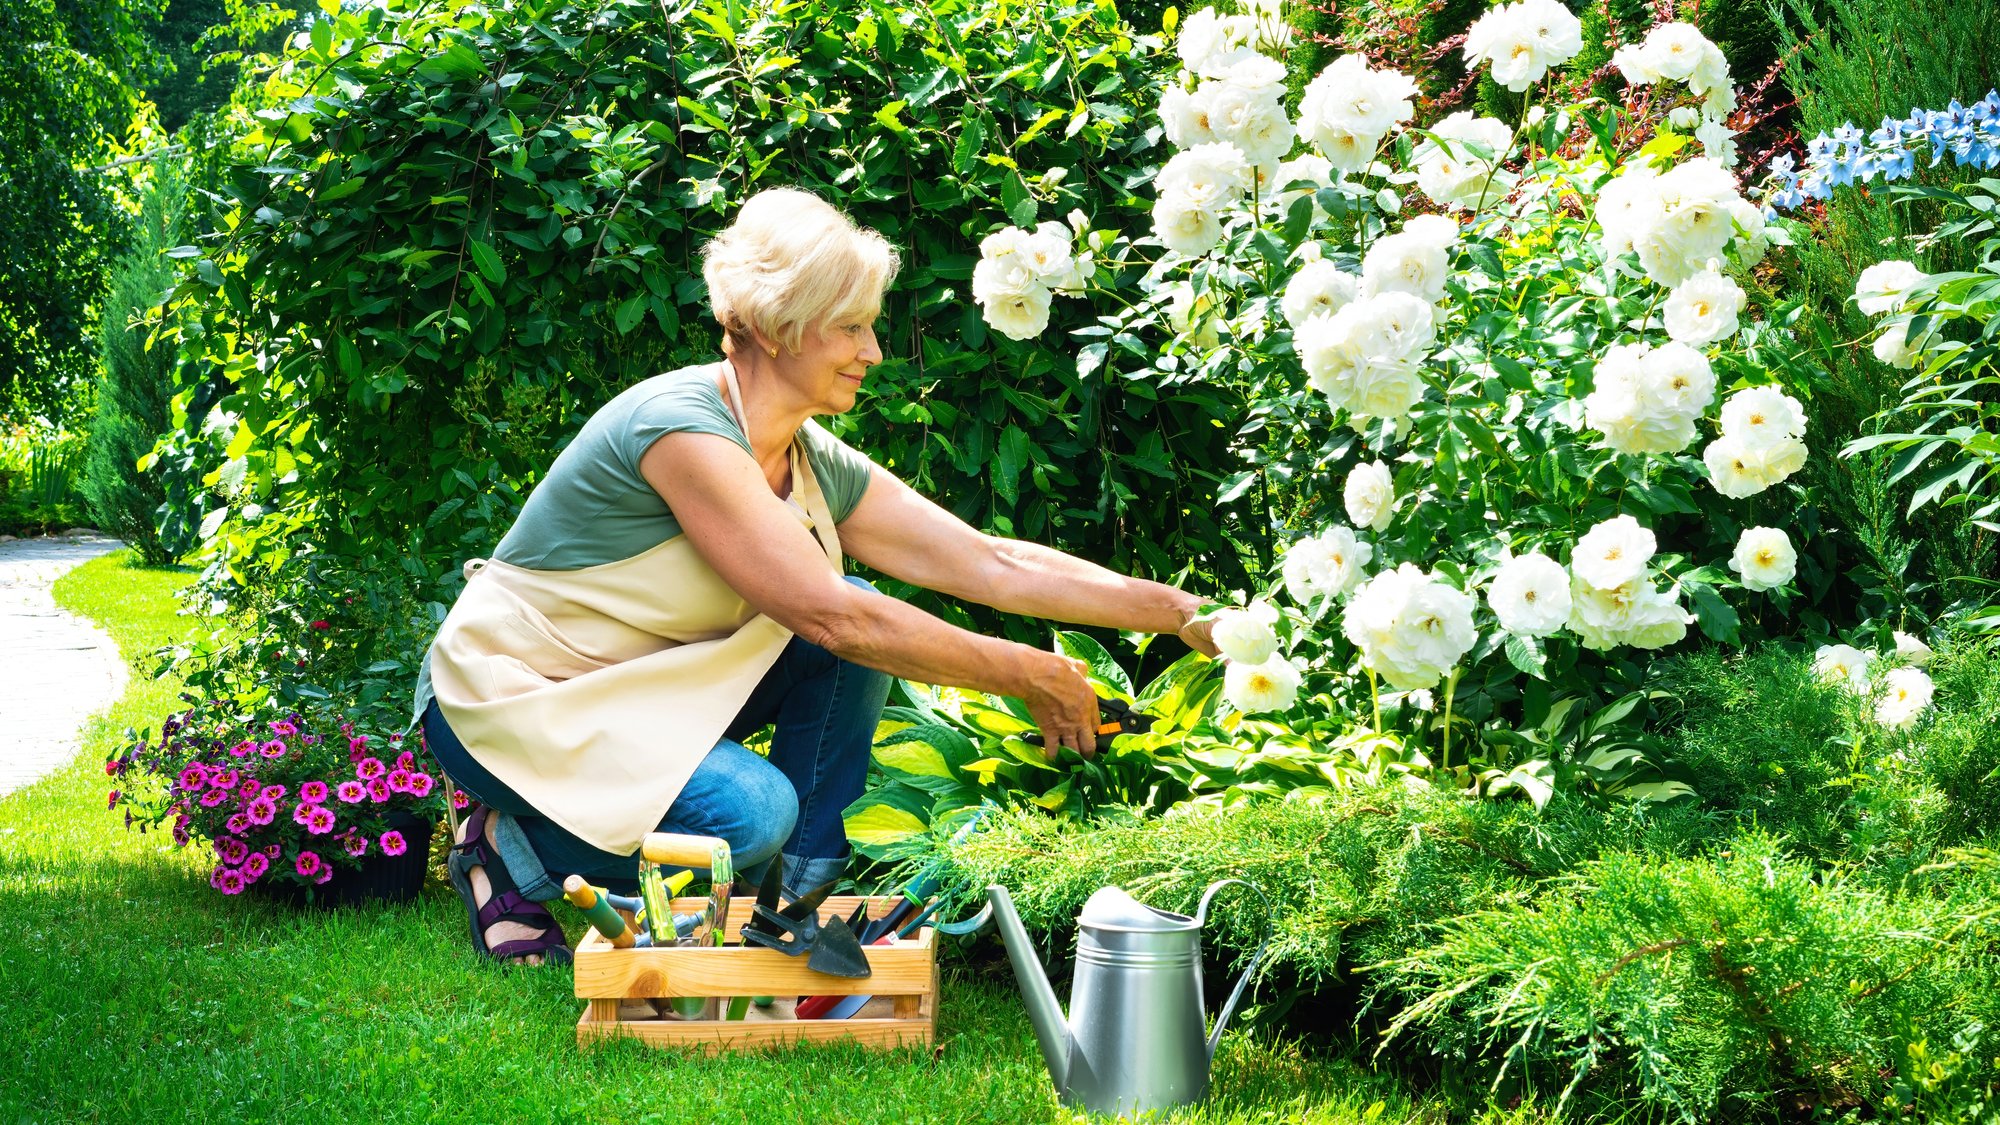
(674, 585)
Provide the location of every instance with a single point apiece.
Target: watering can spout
(1051, 1026)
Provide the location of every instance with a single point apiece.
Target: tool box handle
(674, 849)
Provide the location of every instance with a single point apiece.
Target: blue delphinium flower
(1969, 135)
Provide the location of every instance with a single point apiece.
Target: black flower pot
(380, 878)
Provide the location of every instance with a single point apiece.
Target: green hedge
(473, 226)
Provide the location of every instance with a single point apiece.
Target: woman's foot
(504, 925)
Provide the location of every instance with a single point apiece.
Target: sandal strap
(557, 946)
(509, 906)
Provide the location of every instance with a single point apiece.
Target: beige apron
(595, 693)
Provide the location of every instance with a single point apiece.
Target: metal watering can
(1133, 1041)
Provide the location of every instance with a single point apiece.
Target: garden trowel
(829, 947)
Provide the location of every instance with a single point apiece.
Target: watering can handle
(1250, 970)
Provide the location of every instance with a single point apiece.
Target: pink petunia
(312, 740)
(378, 790)
(284, 728)
(239, 823)
(353, 791)
(302, 812)
(214, 797)
(393, 843)
(232, 850)
(111, 767)
(459, 800)
(355, 845)
(307, 864)
(224, 779)
(273, 749)
(321, 821)
(420, 784)
(368, 769)
(250, 789)
(181, 837)
(192, 778)
(231, 882)
(313, 791)
(273, 793)
(255, 865)
(399, 780)
(247, 746)
(215, 876)
(273, 850)
(112, 801)
(406, 761)
(261, 811)
(325, 874)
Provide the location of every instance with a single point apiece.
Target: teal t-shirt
(594, 507)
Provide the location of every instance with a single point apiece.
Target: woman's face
(831, 363)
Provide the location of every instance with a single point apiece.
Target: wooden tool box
(618, 984)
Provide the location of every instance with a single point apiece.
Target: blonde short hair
(792, 261)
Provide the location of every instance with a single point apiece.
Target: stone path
(56, 670)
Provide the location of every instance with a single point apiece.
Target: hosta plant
(1516, 419)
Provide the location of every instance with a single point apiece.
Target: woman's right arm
(758, 546)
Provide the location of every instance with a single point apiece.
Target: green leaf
(630, 313)
(1013, 453)
(1081, 646)
(878, 825)
(1526, 654)
(488, 261)
(1014, 198)
(1717, 618)
(971, 139)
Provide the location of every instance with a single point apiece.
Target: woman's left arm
(900, 533)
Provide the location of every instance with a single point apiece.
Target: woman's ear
(762, 343)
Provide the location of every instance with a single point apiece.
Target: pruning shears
(1114, 717)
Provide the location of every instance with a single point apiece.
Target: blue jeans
(825, 711)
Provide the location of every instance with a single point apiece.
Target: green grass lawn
(135, 993)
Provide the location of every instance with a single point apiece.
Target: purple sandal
(506, 903)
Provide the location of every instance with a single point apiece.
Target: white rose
(1763, 417)
(1325, 565)
(1410, 626)
(1410, 261)
(1452, 174)
(1185, 116)
(1349, 98)
(1684, 118)
(1048, 254)
(1188, 315)
(1384, 387)
(1184, 226)
(1018, 316)
(1894, 347)
(1884, 286)
(1248, 635)
(1677, 379)
(1843, 665)
(1270, 686)
(1645, 400)
(1209, 176)
(1522, 41)
(1613, 553)
(1738, 470)
(1319, 288)
(1676, 49)
(1703, 309)
(1628, 204)
(1718, 142)
(1912, 649)
(1656, 621)
(1202, 36)
(1764, 559)
(1906, 694)
(1307, 167)
(1010, 275)
(1636, 64)
(1252, 119)
(1530, 595)
(1370, 496)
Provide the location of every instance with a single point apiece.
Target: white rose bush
(1518, 420)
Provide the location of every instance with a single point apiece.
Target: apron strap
(805, 486)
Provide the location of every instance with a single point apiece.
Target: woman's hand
(1064, 705)
(1199, 635)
